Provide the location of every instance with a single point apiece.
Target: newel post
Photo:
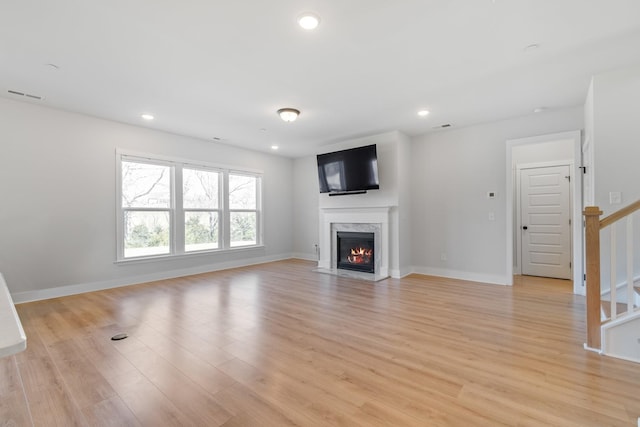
(592, 234)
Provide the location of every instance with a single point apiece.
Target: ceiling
(220, 69)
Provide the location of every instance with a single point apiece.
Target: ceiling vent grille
(26, 95)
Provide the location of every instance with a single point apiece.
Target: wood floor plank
(279, 345)
(14, 409)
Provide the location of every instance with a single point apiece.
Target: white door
(545, 208)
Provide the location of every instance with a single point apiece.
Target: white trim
(185, 161)
(493, 279)
(305, 257)
(577, 232)
(595, 350)
(61, 291)
(12, 337)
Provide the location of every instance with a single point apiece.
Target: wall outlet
(615, 198)
(492, 216)
(443, 256)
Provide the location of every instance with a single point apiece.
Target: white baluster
(630, 290)
(613, 265)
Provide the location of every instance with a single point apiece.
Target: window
(200, 200)
(146, 209)
(171, 208)
(243, 211)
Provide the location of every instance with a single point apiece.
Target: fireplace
(372, 221)
(355, 251)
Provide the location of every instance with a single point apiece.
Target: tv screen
(353, 170)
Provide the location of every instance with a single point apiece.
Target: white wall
(58, 200)
(543, 152)
(613, 116)
(305, 207)
(451, 174)
(616, 114)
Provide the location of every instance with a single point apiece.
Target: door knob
(524, 227)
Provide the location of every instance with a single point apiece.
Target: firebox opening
(355, 251)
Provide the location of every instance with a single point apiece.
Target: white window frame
(177, 210)
(257, 210)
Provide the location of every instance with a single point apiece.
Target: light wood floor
(279, 345)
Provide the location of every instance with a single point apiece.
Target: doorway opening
(547, 151)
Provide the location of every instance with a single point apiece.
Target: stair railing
(593, 227)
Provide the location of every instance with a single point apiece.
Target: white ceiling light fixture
(288, 114)
(147, 117)
(309, 21)
(423, 113)
(274, 147)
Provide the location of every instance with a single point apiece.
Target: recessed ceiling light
(309, 21)
(531, 47)
(274, 147)
(423, 113)
(539, 109)
(147, 116)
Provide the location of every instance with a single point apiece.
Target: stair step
(606, 308)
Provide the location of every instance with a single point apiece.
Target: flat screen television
(348, 171)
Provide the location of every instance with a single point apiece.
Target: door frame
(518, 207)
(576, 189)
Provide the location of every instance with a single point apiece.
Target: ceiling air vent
(26, 95)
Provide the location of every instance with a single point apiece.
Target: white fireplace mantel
(333, 219)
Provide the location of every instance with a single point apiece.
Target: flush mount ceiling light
(274, 147)
(147, 116)
(423, 113)
(288, 114)
(309, 21)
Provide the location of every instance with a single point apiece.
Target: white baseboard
(306, 257)
(493, 279)
(61, 291)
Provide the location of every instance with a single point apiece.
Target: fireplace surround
(373, 220)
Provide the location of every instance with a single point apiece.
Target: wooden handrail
(616, 216)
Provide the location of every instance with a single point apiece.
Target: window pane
(201, 231)
(146, 233)
(200, 189)
(145, 186)
(243, 228)
(242, 192)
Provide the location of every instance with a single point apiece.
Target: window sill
(156, 258)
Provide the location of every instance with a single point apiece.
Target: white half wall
(58, 200)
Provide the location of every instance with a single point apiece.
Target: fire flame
(360, 256)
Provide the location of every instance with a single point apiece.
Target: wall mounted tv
(352, 171)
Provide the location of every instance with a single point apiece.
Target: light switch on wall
(615, 197)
